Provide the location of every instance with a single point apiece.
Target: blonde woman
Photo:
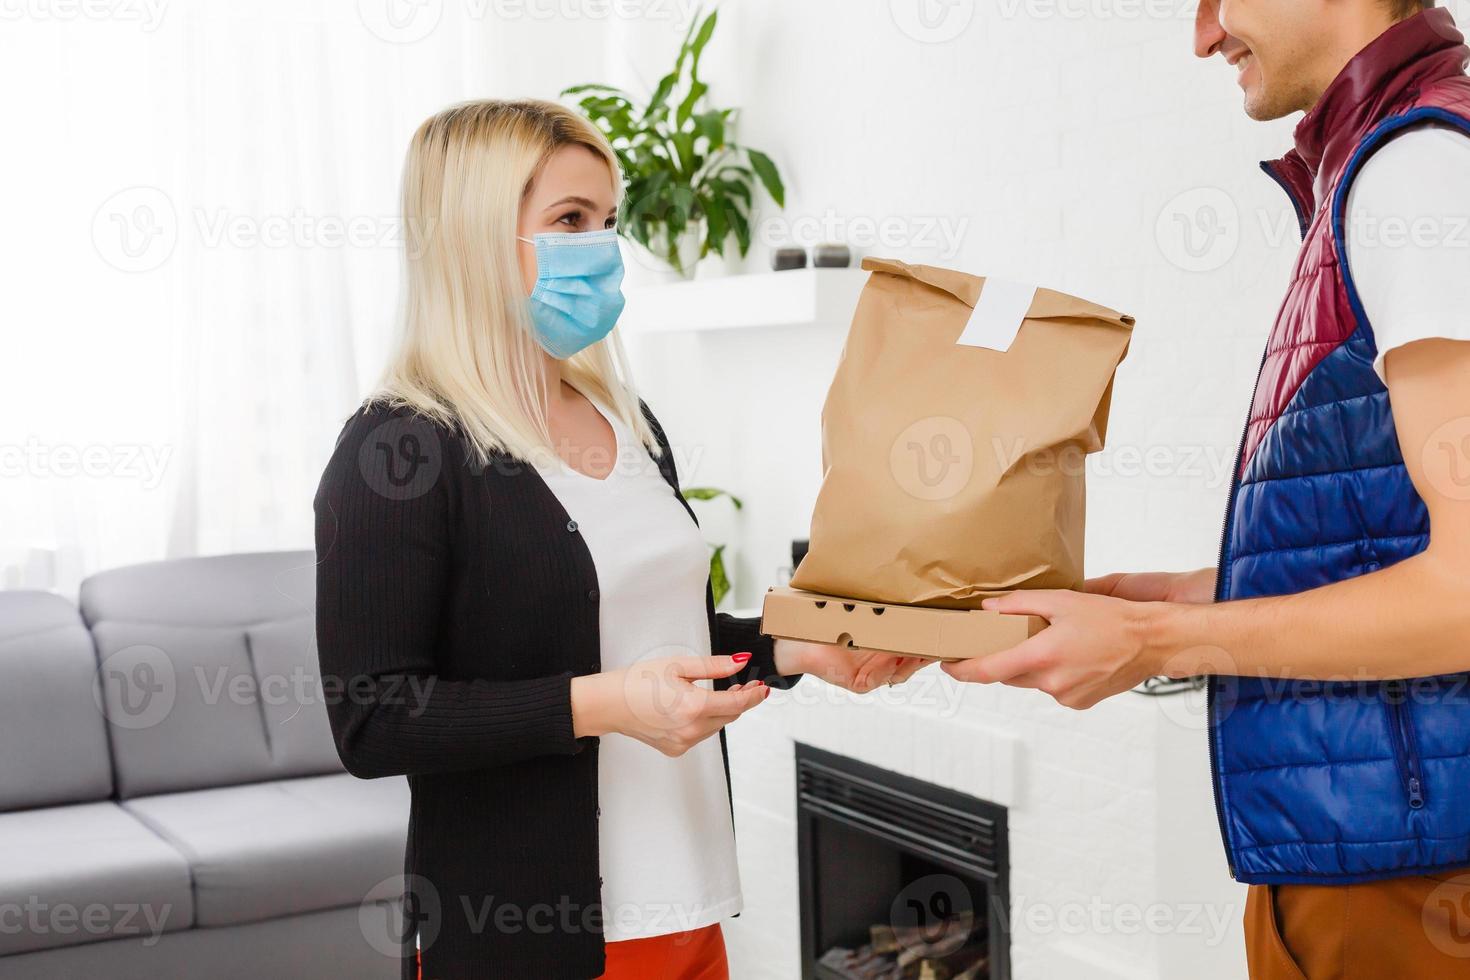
(515, 597)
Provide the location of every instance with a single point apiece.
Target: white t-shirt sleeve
(1408, 238)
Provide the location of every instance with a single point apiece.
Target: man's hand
(1096, 647)
(1156, 586)
(860, 671)
(1392, 622)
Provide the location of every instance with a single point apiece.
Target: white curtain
(201, 254)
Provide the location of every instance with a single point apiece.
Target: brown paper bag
(955, 472)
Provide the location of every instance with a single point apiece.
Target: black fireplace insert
(900, 879)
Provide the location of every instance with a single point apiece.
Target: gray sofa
(171, 803)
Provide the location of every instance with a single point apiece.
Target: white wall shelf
(766, 299)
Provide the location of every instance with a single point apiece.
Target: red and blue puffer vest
(1325, 782)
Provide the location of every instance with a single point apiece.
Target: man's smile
(1242, 62)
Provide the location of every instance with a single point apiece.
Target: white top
(666, 837)
(1408, 238)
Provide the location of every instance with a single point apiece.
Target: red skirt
(695, 955)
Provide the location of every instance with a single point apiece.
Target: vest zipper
(1405, 746)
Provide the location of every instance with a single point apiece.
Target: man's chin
(1262, 108)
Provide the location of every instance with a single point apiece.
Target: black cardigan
(455, 602)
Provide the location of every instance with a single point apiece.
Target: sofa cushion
(183, 706)
(210, 672)
(293, 703)
(338, 943)
(238, 590)
(84, 873)
(287, 846)
(53, 738)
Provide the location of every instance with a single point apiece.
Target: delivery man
(1336, 627)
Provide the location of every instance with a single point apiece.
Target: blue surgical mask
(578, 295)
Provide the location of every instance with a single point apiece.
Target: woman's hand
(860, 671)
(658, 703)
(1156, 586)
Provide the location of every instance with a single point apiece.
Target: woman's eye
(571, 219)
(610, 223)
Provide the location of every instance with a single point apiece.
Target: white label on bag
(998, 314)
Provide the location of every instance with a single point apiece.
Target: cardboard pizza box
(922, 631)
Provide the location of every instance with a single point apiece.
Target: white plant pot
(717, 266)
(643, 267)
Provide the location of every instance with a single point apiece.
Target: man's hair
(1404, 9)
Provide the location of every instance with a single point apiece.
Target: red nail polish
(740, 658)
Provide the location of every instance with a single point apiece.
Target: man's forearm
(1409, 620)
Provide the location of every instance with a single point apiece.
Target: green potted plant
(690, 185)
(719, 580)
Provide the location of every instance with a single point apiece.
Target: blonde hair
(467, 355)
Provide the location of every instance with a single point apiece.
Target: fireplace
(899, 879)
